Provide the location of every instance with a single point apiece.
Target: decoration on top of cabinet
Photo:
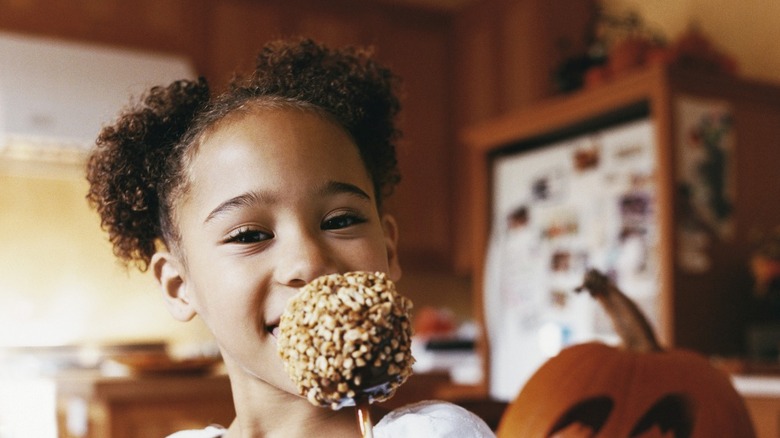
(621, 43)
(705, 178)
(615, 43)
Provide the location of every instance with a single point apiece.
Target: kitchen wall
(59, 281)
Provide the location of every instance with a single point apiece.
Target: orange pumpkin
(639, 390)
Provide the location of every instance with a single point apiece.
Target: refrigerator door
(587, 201)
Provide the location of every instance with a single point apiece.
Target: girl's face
(277, 198)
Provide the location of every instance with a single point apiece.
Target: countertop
(752, 385)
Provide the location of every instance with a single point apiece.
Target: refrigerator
(559, 207)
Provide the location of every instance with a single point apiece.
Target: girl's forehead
(272, 104)
(267, 112)
(277, 145)
(283, 127)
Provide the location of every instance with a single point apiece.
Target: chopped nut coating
(347, 335)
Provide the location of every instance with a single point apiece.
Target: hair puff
(130, 164)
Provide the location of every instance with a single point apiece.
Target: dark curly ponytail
(136, 157)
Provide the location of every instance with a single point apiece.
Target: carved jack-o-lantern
(639, 390)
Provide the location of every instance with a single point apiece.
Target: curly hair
(138, 168)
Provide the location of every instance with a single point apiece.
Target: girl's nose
(303, 259)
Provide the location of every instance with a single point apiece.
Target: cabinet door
(140, 419)
(713, 305)
(765, 413)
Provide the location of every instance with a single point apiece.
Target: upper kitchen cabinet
(711, 190)
(169, 26)
(505, 53)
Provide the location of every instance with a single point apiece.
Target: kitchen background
(463, 62)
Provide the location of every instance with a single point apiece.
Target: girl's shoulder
(209, 432)
(431, 419)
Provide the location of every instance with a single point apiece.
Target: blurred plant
(620, 43)
(603, 33)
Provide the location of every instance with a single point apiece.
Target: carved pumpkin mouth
(591, 413)
(672, 415)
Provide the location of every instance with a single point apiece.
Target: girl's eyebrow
(242, 200)
(338, 187)
(253, 198)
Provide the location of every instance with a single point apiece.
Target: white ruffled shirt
(428, 419)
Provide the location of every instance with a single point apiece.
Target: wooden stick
(364, 417)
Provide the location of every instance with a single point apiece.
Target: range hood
(55, 95)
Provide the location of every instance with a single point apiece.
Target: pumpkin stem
(630, 323)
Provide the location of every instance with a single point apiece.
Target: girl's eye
(245, 235)
(342, 221)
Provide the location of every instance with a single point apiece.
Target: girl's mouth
(273, 329)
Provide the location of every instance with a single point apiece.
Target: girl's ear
(169, 274)
(390, 228)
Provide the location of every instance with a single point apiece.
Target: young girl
(235, 201)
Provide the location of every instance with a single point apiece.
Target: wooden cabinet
(93, 406)
(703, 307)
(765, 413)
(762, 399)
(503, 54)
